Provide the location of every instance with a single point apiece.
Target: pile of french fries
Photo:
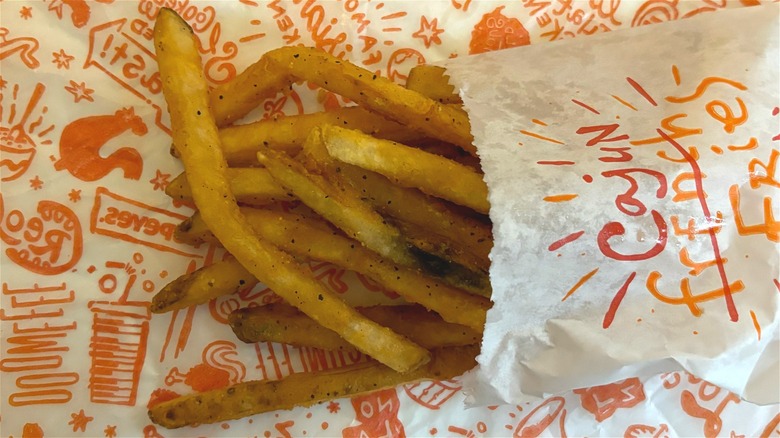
(389, 188)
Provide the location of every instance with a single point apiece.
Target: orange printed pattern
(81, 113)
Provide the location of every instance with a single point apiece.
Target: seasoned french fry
(277, 69)
(241, 143)
(432, 81)
(430, 217)
(251, 185)
(196, 138)
(303, 389)
(409, 167)
(202, 285)
(339, 205)
(414, 207)
(285, 324)
(308, 238)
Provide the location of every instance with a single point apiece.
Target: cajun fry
(307, 238)
(285, 324)
(303, 389)
(252, 186)
(241, 143)
(409, 167)
(433, 82)
(196, 138)
(202, 285)
(340, 204)
(277, 69)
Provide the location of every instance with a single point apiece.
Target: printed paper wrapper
(633, 193)
(87, 230)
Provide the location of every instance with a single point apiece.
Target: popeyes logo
(133, 221)
(48, 243)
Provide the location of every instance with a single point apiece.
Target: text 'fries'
(390, 190)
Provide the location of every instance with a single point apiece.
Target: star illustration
(25, 12)
(61, 59)
(36, 183)
(74, 195)
(160, 180)
(110, 431)
(333, 407)
(79, 421)
(429, 31)
(3, 83)
(80, 91)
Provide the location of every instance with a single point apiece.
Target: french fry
(285, 324)
(241, 143)
(303, 389)
(277, 69)
(202, 285)
(340, 203)
(430, 217)
(196, 138)
(409, 167)
(307, 238)
(251, 186)
(432, 81)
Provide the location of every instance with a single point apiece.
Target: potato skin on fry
(196, 138)
(303, 389)
(277, 69)
(282, 323)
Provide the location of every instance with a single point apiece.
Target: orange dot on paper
(433, 431)
(695, 332)
(148, 285)
(225, 426)
(324, 425)
(163, 274)
(308, 415)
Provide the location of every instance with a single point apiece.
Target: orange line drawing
(25, 46)
(560, 198)
(579, 283)
(538, 122)
(751, 144)
(703, 86)
(18, 149)
(542, 418)
(541, 137)
(603, 401)
(49, 244)
(218, 369)
(676, 75)
(624, 102)
(117, 348)
(756, 325)
(687, 298)
(133, 221)
(770, 227)
(587, 107)
(432, 394)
